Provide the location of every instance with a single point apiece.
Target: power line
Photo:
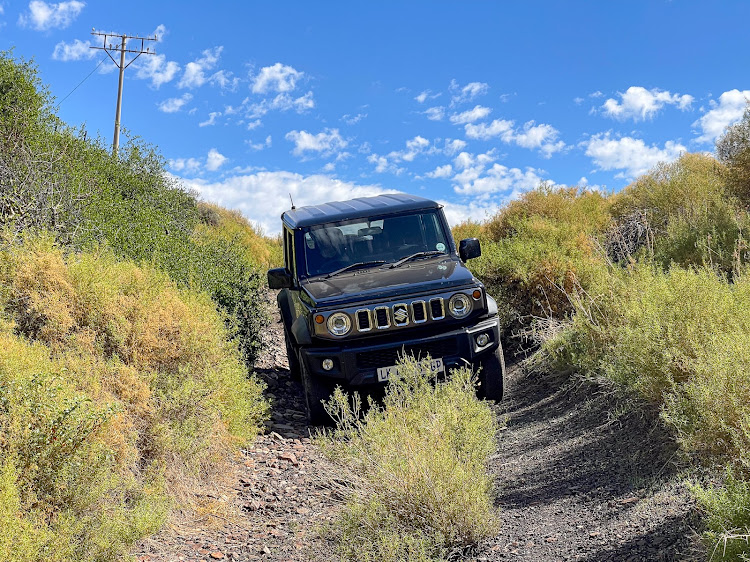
(81, 82)
(122, 49)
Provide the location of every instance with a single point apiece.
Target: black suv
(369, 279)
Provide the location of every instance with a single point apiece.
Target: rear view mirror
(469, 248)
(279, 278)
(373, 230)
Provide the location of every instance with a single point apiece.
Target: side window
(289, 251)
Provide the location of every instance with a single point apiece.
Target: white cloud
(596, 94)
(453, 145)
(639, 104)
(277, 78)
(215, 160)
(727, 111)
(211, 118)
(441, 172)
(426, 95)
(263, 196)
(43, 16)
(324, 143)
(157, 69)
(282, 102)
(414, 147)
(483, 131)
(353, 119)
(479, 112)
(160, 32)
(382, 164)
(435, 113)
(195, 71)
(482, 177)
(225, 80)
(188, 165)
(471, 208)
(468, 92)
(578, 101)
(543, 137)
(259, 145)
(77, 50)
(630, 155)
(173, 105)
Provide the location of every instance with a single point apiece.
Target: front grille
(364, 321)
(436, 309)
(381, 317)
(389, 356)
(418, 311)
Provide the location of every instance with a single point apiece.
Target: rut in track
(581, 477)
(578, 478)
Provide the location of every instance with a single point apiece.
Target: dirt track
(581, 478)
(578, 478)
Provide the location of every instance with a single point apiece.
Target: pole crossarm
(122, 48)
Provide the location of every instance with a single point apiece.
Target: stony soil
(579, 477)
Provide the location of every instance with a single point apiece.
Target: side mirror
(279, 278)
(469, 249)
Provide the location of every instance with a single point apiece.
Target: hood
(419, 276)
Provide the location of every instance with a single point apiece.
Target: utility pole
(122, 48)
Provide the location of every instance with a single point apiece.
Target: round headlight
(459, 305)
(339, 324)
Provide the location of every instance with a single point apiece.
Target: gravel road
(579, 477)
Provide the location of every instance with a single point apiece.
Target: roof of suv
(355, 208)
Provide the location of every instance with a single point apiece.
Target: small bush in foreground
(419, 463)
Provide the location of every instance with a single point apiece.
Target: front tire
(316, 390)
(492, 375)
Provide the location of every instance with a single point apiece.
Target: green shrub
(693, 219)
(55, 179)
(728, 517)
(419, 463)
(119, 391)
(733, 150)
(62, 483)
(539, 249)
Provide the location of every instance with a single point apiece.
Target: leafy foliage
(733, 150)
(123, 326)
(117, 390)
(419, 463)
(55, 179)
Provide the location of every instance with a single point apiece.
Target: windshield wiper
(353, 265)
(414, 256)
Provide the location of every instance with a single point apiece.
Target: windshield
(333, 246)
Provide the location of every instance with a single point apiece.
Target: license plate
(436, 366)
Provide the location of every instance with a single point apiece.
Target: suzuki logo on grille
(400, 314)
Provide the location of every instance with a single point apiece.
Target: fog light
(483, 339)
(327, 364)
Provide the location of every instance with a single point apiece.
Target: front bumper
(356, 365)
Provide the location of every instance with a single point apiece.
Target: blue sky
(469, 103)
